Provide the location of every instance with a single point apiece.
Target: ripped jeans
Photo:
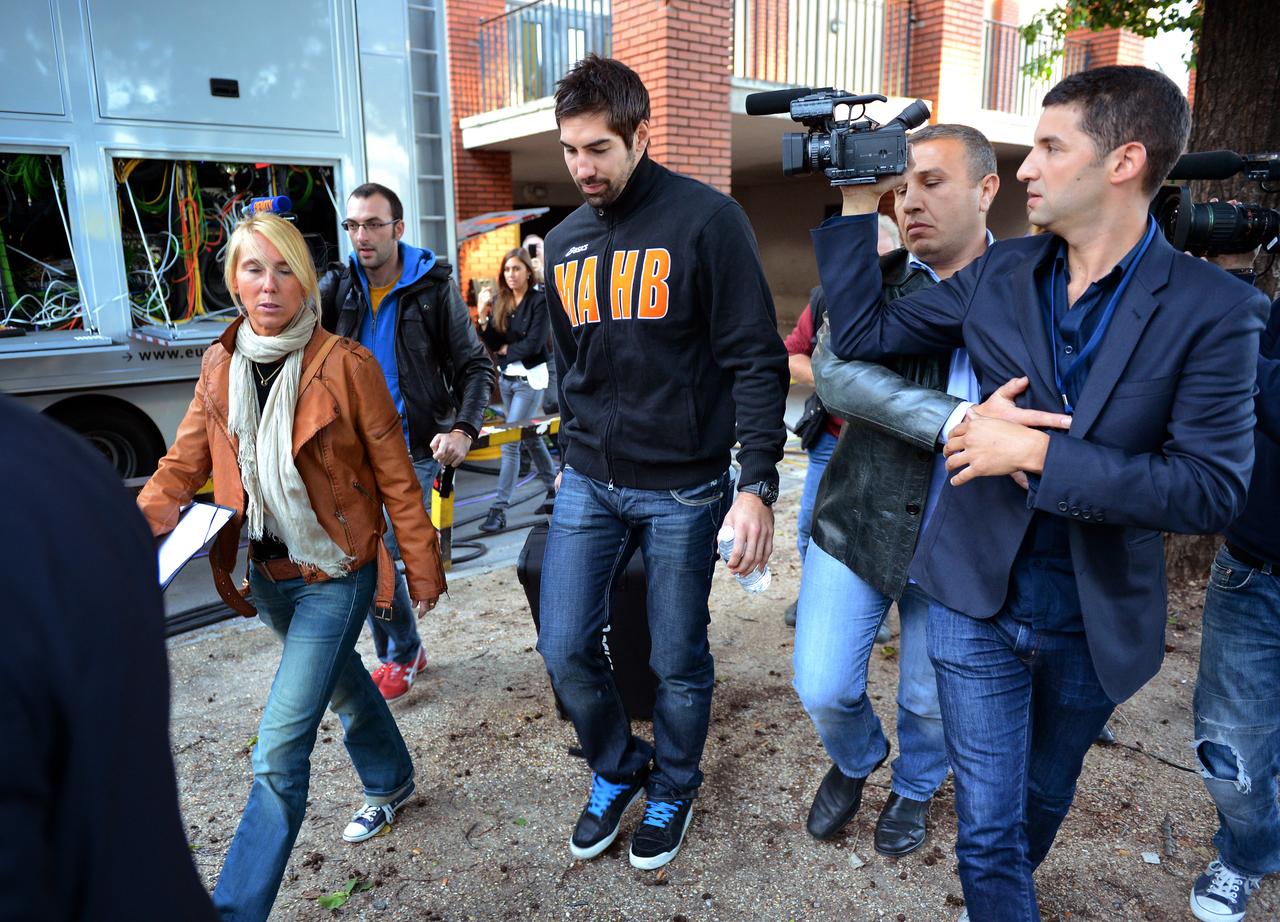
(1237, 712)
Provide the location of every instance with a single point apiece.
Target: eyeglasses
(373, 227)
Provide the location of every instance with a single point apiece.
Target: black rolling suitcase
(625, 639)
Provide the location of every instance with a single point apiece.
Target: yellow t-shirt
(377, 294)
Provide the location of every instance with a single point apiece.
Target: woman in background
(515, 326)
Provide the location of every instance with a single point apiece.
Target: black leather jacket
(871, 499)
(446, 376)
(528, 328)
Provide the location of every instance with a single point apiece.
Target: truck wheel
(126, 439)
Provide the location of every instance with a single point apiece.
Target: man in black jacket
(87, 789)
(400, 303)
(667, 347)
(880, 486)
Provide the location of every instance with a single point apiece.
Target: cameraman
(1237, 720)
(1043, 558)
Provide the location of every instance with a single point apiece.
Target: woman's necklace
(264, 381)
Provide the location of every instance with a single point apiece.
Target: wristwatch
(766, 491)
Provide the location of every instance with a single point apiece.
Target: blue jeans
(397, 640)
(319, 624)
(819, 455)
(1020, 708)
(836, 624)
(521, 403)
(594, 532)
(1237, 712)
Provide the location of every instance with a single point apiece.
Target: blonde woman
(303, 441)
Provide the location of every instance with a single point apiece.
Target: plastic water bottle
(756, 580)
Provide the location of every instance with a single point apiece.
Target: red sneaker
(379, 675)
(399, 677)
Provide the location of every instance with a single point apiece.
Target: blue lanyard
(1103, 323)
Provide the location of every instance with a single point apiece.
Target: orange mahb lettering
(588, 311)
(653, 284)
(622, 283)
(566, 284)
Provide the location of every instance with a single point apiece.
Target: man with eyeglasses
(400, 303)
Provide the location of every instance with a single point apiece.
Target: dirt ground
(485, 837)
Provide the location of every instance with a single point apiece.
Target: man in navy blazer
(1045, 553)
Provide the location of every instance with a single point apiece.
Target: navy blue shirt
(1042, 584)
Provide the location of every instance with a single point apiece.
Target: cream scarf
(277, 498)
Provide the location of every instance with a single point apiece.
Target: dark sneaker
(789, 616)
(657, 839)
(371, 820)
(549, 503)
(1221, 895)
(598, 824)
(495, 521)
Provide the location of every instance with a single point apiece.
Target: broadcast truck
(133, 136)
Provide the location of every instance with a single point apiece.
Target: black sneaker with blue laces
(598, 824)
(657, 839)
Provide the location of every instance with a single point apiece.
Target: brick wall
(1006, 11)
(1113, 46)
(681, 50)
(480, 257)
(946, 40)
(482, 179)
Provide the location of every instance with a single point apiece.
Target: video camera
(852, 151)
(1211, 228)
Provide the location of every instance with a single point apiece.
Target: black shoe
(548, 504)
(900, 828)
(1105, 736)
(790, 616)
(657, 839)
(597, 826)
(496, 521)
(837, 800)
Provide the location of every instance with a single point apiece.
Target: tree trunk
(1236, 108)
(1236, 105)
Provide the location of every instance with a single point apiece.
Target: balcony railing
(1006, 85)
(527, 49)
(862, 46)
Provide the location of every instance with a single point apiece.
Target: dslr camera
(1213, 228)
(852, 151)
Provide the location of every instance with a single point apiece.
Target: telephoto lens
(1211, 228)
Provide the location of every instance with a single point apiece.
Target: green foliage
(340, 897)
(1145, 18)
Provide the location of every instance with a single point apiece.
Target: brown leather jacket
(349, 449)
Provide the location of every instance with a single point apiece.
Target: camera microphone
(776, 102)
(1210, 164)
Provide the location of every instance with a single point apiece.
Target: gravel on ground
(485, 837)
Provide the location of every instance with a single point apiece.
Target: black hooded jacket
(665, 336)
(446, 375)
